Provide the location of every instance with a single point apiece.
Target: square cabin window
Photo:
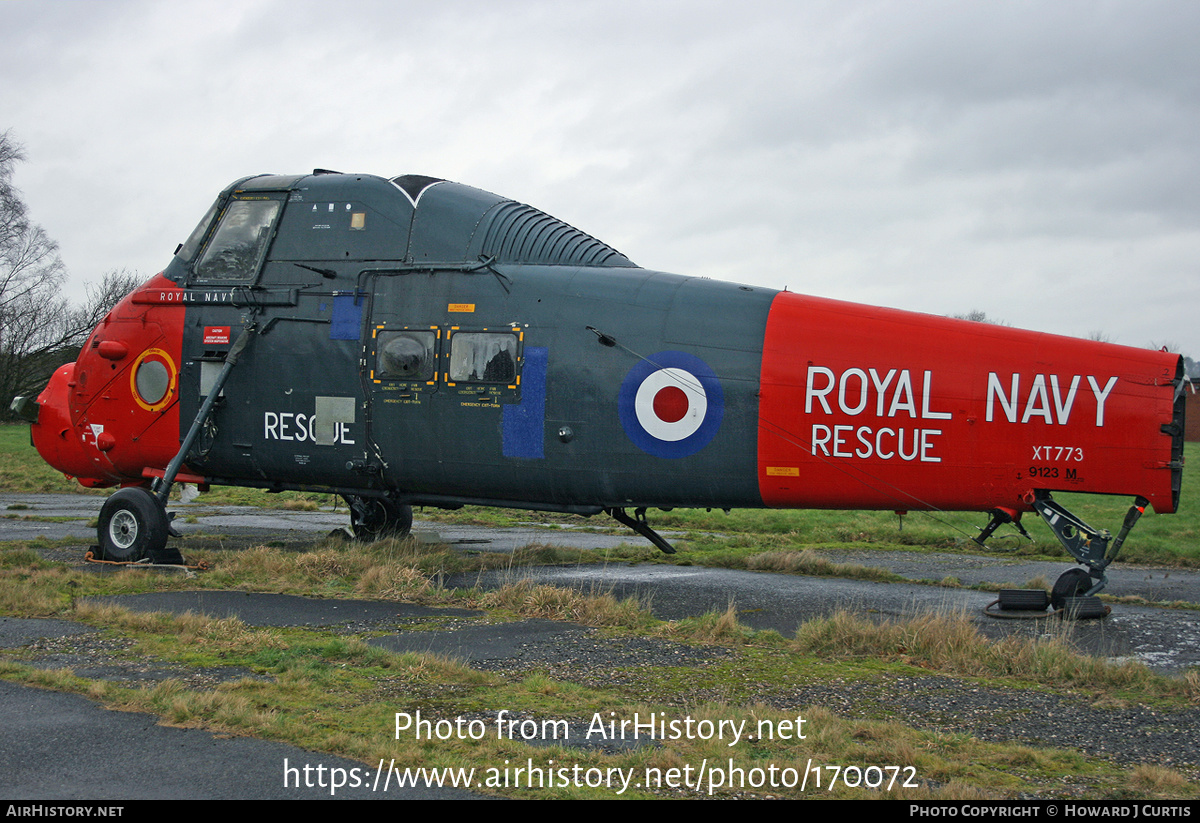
(483, 357)
(405, 355)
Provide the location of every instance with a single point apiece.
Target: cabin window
(240, 242)
(406, 355)
(483, 357)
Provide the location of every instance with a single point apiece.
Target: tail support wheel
(1071, 583)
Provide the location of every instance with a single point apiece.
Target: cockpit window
(237, 248)
(192, 245)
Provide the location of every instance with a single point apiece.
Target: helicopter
(412, 341)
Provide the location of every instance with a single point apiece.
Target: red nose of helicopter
(63, 445)
(58, 442)
(106, 417)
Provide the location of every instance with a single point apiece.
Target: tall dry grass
(532, 599)
(949, 642)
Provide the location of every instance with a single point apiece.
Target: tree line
(40, 329)
(1191, 367)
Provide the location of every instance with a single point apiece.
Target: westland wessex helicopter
(415, 341)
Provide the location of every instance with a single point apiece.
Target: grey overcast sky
(1037, 161)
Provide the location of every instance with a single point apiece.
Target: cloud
(1029, 160)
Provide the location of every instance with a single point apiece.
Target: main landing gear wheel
(376, 518)
(133, 525)
(1071, 583)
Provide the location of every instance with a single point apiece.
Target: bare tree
(101, 297)
(12, 209)
(978, 316)
(40, 333)
(39, 328)
(1165, 345)
(29, 261)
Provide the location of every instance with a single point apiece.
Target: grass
(334, 693)
(22, 470)
(529, 599)
(951, 643)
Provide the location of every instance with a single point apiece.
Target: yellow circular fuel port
(152, 380)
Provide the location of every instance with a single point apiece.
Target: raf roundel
(671, 404)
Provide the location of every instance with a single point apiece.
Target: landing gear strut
(640, 525)
(134, 522)
(1087, 545)
(999, 518)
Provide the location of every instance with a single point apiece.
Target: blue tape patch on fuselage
(697, 395)
(347, 317)
(523, 424)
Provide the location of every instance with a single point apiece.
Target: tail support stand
(638, 524)
(1091, 547)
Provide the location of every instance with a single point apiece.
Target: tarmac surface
(47, 735)
(65, 747)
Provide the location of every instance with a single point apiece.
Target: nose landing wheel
(133, 525)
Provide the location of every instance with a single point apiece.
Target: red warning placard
(216, 335)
